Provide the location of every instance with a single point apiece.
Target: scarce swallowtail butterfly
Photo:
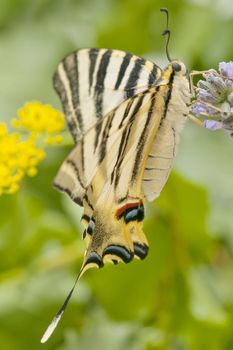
(125, 115)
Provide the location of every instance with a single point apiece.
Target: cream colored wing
(163, 150)
(113, 203)
(92, 82)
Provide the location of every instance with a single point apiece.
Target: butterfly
(125, 115)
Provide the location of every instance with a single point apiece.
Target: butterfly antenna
(49, 331)
(167, 32)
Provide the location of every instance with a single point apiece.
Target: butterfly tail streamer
(53, 325)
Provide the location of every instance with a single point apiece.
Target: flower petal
(216, 82)
(212, 124)
(226, 69)
(199, 108)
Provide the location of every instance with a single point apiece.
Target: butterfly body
(125, 115)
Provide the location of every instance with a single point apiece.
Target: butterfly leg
(195, 120)
(191, 75)
(219, 110)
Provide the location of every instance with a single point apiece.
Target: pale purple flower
(214, 98)
(212, 124)
(214, 89)
(200, 108)
(226, 69)
(214, 80)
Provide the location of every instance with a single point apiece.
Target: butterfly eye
(179, 67)
(176, 67)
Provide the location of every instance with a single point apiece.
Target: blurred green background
(181, 296)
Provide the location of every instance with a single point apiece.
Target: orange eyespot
(121, 210)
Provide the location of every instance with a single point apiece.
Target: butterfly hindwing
(125, 156)
(162, 153)
(139, 167)
(116, 193)
(159, 163)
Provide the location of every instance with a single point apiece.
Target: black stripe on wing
(99, 86)
(104, 140)
(70, 65)
(62, 93)
(99, 90)
(93, 53)
(76, 171)
(124, 140)
(168, 96)
(131, 84)
(127, 111)
(142, 140)
(153, 76)
(123, 67)
(70, 194)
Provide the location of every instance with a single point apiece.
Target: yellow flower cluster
(40, 119)
(20, 154)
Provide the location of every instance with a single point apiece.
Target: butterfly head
(175, 68)
(178, 67)
(176, 78)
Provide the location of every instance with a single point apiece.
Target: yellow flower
(17, 158)
(32, 171)
(39, 118)
(20, 154)
(51, 140)
(3, 129)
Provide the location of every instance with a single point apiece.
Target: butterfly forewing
(92, 82)
(159, 162)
